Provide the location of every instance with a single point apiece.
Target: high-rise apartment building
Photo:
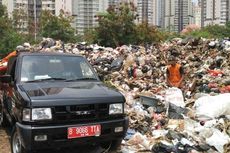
(85, 13)
(64, 5)
(148, 10)
(160, 9)
(169, 14)
(21, 8)
(228, 10)
(183, 14)
(31, 11)
(48, 5)
(9, 5)
(177, 14)
(145, 11)
(197, 14)
(173, 15)
(215, 12)
(113, 2)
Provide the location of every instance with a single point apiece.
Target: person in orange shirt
(175, 73)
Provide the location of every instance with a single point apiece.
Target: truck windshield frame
(39, 68)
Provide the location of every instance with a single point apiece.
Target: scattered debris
(163, 119)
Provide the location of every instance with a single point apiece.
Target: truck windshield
(43, 68)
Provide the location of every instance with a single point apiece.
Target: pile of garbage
(162, 119)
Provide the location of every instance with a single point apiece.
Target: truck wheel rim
(16, 144)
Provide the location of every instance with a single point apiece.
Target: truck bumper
(57, 135)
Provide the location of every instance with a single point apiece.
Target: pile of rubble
(164, 119)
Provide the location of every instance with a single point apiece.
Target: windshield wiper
(46, 79)
(78, 79)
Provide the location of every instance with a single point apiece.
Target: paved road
(5, 146)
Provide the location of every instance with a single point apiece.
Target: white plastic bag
(218, 140)
(210, 107)
(174, 95)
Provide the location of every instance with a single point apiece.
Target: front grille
(80, 113)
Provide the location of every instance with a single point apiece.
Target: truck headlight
(26, 114)
(41, 114)
(115, 109)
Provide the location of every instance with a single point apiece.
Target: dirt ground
(4, 141)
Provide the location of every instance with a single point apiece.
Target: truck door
(8, 91)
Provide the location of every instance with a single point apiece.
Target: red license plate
(84, 131)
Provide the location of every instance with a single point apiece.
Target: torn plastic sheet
(218, 140)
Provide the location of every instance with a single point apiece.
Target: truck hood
(70, 93)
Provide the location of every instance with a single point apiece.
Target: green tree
(147, 34)
(201, 33)
(57, 27)
(9, 38)
(216, 31)
(90, 36)
(116, 27)
(212, 31)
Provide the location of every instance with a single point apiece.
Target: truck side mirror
(5, 78)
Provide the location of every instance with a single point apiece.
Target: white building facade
(48, 5)
(64, 5)
(169, 15)
(31, 11)
(215, 12)
(10, 5)
(197, 14)
(85, 13)
(177, 14)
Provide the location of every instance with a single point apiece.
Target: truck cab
(54, 100)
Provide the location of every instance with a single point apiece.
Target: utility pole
(35, 21)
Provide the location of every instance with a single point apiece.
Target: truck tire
(3, 120)
(15, 142)
(116, 144)
(112, 146)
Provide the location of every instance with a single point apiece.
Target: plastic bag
(218, 140)
(140, 139)
(174, 96)
(174, 103)
(117, 63)
(210, 107)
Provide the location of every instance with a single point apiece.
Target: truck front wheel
(112, 146)
(16, 144)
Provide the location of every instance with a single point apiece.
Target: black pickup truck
(55, 100)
